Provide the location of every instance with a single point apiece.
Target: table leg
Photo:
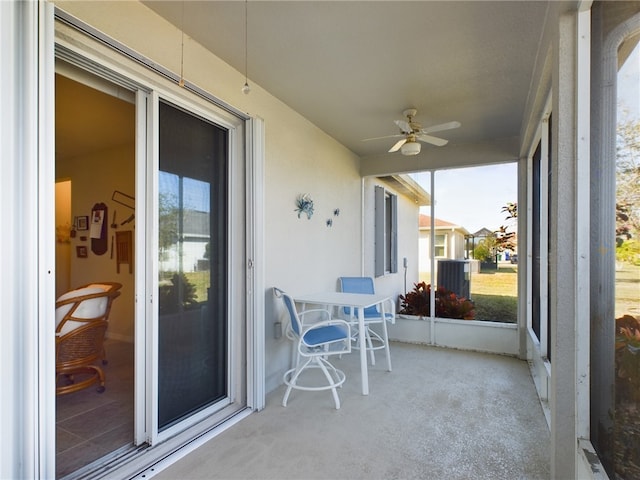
(363, 352)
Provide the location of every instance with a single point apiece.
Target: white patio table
(357, 301)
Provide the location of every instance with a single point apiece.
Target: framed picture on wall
(81, 251)
(83, 223)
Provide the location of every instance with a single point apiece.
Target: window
(386, 232)
(440, 244)
(615, 266)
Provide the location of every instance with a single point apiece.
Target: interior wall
(94, 178)
(63, 238)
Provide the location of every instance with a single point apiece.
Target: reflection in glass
(192, 241)
(626, 429)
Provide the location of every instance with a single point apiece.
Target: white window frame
(386, 231)
(436, 245)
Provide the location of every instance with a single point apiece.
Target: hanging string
(246, 89)
(181, 82)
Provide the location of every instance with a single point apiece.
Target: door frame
(93, 51)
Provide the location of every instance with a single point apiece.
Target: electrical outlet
(277, 330)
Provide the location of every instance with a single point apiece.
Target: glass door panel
(193, 253)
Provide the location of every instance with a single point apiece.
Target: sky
(473, 197)
(629, 83)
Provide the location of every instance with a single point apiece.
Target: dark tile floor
(90, 425)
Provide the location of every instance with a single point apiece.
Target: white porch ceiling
(351, 68)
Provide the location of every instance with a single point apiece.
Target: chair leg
(335, 378)
(295, 356)
(386, 344)
(292, 382)
(370, 347)
(330, 379)
(96, 375)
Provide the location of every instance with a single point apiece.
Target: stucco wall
(392, 283)
(300, 255)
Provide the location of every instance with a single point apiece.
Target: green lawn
(627, 290)
(200, 280)
(503, 281)
(495, 294)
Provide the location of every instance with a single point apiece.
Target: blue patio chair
(372, 315)
(314, 342)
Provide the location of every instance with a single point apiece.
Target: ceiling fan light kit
(410, 148)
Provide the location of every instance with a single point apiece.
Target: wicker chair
(82, 319)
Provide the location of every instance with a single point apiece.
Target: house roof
(424, 223)
(409, 187)
(483, 232)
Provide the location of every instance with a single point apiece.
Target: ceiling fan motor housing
(410, 112)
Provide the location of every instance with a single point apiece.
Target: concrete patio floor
(440, 414)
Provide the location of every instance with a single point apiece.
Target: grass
(200, 280)
(503, 281)
(495, 293)
(627, 290)
(496, 308)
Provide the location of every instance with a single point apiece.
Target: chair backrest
(291, 310)
(85, 304)
(359, 285)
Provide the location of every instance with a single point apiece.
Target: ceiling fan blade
(386, 136)
(439, 142)
(397, 146)
(403, 125)
(441, 127)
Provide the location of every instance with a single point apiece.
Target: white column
(569, 233)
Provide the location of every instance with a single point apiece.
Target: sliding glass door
(193, 252)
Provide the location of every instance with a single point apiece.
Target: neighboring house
(449, 241)
(270, 154)
(478, 237)
(482, 234)
(191, 251)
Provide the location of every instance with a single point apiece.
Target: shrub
(448, 304)
(179, 295)
(628, 251)
(482, 252)
(628, 355)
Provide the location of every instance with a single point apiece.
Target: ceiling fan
(413, 134)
